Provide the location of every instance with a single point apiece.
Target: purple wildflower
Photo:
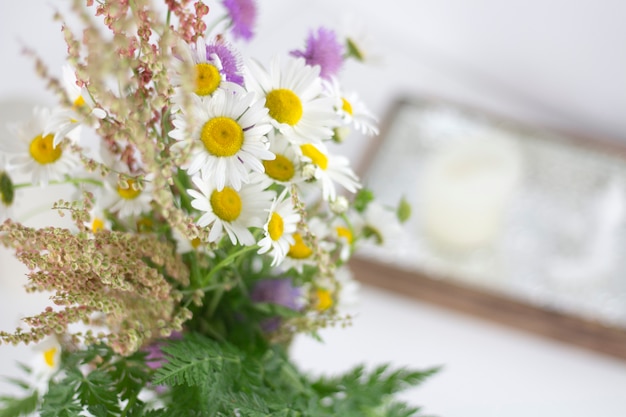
(324, 50)
(276, 291)
(155, 358)
(242, 15)
(231, 66)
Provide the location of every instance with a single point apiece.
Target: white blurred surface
(488, 370)
(558, 63)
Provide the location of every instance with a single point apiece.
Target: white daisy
(360, 44)
(282, 223)
(379, 223)
(300, 253)
(127, 197)
(64, 122)
(323, 298)
(345, 238)
(351, 109)
(35, 152)
(201, 71)
(337, 294)
(228, 133)
(231, 211)
(285, 168)
(297, 103)
(7, 191)
(348, 288)
(98, 221)
(184, 245)
(330, 169)
(47, 359)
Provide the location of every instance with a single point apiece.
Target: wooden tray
(551, 265)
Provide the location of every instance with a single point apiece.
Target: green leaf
(362, 199)
(272, 309)
(96, 388)
(59, 401)
(17, 382)
(358, 392)
(14, 407)
(197, 361)
(130, 375)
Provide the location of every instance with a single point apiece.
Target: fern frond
(198, 361)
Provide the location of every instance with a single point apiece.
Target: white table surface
(488, 370)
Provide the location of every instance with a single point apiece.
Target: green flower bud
(362, 199)
(371, 233)
(7, 191)
(404, 210)
(353, 50)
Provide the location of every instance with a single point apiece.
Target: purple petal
(243, 15)
(323, 49)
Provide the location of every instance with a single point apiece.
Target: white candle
(465, 190)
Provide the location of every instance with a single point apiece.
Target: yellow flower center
(130, 192)
(145, 225)
(345, 233)
(299, 250)
(49, 355)
(207, 79)
(195, 243)
(280, 169)
(42, 151)
(324, 300)
(79, 102)
(276, 226)
(97, 225)
(284, 106)
(346, 106)
(226, 204)
(222, 136)
(315, 155)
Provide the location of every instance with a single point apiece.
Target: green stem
(129, 405)
(215, 300)
(206, 289)
(184, 197)
(226, 261)
(216, 23)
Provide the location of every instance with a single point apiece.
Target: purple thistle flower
(155, 358)
(230, 60)
(324, 50)
(276, 291)
(242, 15)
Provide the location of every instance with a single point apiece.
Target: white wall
(553, 62)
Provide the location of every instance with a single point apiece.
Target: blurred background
(549, 64)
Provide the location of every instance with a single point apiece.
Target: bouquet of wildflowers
(211, 220)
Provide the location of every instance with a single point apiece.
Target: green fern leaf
(198, 361)
(15, 407)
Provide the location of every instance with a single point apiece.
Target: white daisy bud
(339, 205)
(308, 172)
